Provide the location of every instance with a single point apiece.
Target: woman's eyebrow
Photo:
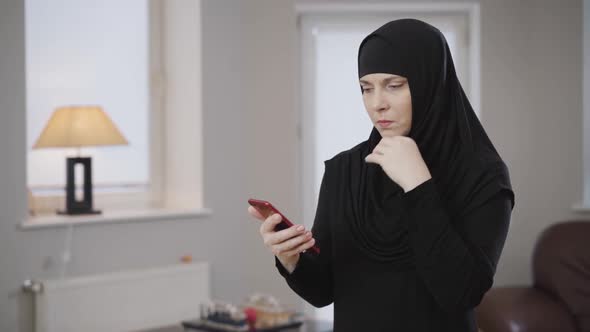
(385, 80)
(392, 78)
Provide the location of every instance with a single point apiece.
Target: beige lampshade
(77, 126)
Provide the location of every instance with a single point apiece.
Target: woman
(411, 222)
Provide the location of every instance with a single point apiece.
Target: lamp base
(75, 206)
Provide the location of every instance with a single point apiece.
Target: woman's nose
(378, 102)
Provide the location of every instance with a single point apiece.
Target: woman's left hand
(401, 160)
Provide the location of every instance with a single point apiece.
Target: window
(115, 54)
(88, 52)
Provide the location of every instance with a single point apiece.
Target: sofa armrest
(522, 309)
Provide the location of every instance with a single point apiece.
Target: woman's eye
(394, 86)
(366, 89)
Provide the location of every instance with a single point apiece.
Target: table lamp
(76, 127)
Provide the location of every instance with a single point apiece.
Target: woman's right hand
(286, 244)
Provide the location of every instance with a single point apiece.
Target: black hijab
(465, 166)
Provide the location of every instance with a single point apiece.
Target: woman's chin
(389, 132)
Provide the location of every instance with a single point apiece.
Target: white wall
(586, 101)
(531, 97)
(532, 107)
(13, 264)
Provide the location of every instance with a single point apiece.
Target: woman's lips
(384, 123)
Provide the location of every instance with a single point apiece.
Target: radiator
(122, 301)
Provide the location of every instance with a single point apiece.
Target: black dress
(451, 266)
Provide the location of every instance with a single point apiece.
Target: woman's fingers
(292, 240)
(288, 241)
(301, 248)
(379, 150)
(290, 244)
(286, 234)
(374, 158)
(387, 141)
(270, 223)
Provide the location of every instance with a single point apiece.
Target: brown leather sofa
(559, 299)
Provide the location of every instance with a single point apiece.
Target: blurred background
(223, 100)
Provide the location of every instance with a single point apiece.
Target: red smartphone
(266, 209)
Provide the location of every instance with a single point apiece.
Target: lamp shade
(77, 126)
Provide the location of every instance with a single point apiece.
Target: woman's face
(388, 102)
